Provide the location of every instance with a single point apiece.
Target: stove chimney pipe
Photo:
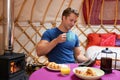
(8, 25)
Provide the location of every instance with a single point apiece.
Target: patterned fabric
(108, 39)
(108, 14)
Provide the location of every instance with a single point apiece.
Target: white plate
(53, 68)
(99, 73)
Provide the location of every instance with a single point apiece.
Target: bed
(100, 41)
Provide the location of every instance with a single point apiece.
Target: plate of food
(88, 73)
(53, 66)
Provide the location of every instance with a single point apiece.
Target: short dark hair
(68, 11)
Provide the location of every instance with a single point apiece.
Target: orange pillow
(93, 39)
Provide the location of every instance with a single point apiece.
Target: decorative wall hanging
(98, 12)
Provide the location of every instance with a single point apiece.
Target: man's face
(69, 21)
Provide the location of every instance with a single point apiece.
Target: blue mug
(70, 36)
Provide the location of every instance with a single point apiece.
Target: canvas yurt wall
(33, 17)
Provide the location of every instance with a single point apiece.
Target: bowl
(88, 73)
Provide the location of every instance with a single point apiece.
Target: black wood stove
(12, 65)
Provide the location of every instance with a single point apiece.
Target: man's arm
(44, 47)
(79, 56)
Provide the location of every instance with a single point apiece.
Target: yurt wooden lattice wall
(33, 17)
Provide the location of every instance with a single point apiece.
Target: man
(54, 45)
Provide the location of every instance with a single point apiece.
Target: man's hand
(61, 38)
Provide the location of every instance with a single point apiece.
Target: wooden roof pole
(87, 8)
(116, 13)
(54, 24)
(44, 16)
(101, 13)
(101, 16)
(91, 7)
